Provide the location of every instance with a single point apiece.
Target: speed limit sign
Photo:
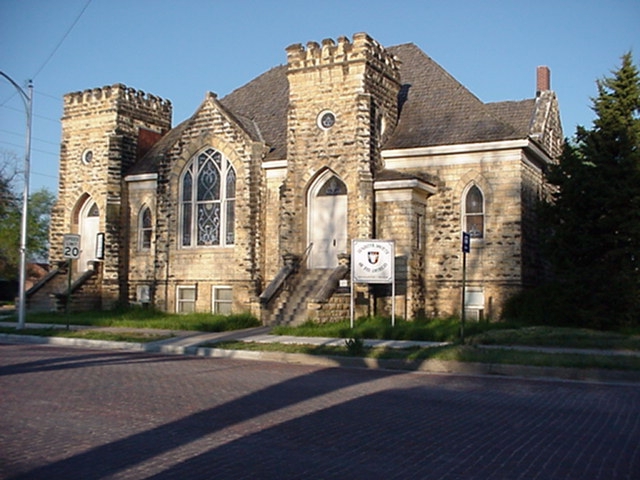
(71, 246)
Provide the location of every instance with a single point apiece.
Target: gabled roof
(263, 104)
(518, 114)
(434, 109)
(150, 161)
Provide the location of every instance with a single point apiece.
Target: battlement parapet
(116, 94)
(362, 48)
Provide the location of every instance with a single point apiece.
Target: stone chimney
(543, 79)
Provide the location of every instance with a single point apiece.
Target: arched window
(207, 201)
(474, 212)
(145, 229)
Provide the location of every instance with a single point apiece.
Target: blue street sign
(466, 242)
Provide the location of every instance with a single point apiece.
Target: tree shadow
(80, 361)
(426, 433)
(108, 459)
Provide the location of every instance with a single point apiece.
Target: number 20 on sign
(71, 246)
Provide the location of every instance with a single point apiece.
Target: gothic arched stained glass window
(474, 212)
(145, 229)
(207, 201)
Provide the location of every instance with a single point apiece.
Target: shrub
(355, 346)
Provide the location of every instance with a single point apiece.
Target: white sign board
(71, 246)
(373, 261)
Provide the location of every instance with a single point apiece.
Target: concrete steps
(292, 309)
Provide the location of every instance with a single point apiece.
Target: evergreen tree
(593, 220)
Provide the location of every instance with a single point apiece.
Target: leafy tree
(7, 174)
(593, 220)
(40, 203)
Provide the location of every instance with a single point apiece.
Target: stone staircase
(52, 293)
(292, 304)
(41, 296)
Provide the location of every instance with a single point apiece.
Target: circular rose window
(326, 120)
(87, 156)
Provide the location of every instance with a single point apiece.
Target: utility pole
(27, 99)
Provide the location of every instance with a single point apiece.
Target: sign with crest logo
(372, 261)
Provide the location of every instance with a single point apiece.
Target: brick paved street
(81, 414)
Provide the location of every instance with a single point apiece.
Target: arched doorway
(327, 220)
(88, 229)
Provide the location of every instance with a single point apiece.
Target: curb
(72, 342)
(429, 366)
(424, 366)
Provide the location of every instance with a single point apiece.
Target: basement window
(186, 299)
(221, 300)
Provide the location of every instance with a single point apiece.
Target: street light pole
(27, 99)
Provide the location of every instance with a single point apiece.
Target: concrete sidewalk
(191, 343)
(188, 338)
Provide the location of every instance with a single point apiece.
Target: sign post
(466, 248)
(373, 261)
(70, 251)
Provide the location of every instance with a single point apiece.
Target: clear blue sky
(181, 49)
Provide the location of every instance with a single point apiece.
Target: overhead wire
(37, 72)
(64, 37)
(53, 52)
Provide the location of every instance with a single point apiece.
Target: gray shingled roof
(264, 102)
(518, 114)
(435, 109)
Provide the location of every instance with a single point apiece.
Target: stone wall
(495, 261)
(140, 194)
(358, 82)
(238, 266)
(400, 216)
(106, 122)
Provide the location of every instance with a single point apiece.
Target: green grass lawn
(138, 337)
(457, 353)
(144, 318)
(476, 333)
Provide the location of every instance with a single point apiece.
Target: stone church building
(250, 205)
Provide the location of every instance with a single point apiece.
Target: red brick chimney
(543, 79)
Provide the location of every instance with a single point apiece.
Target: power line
(48, 95)
(33, 149)
(35, 116)
(16, 134)
(64, 37)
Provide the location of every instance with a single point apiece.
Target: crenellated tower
(343, 103)
(104, 131)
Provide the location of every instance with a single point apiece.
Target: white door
(327, 222)
(89, 227)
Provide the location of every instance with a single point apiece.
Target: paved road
(81, 414)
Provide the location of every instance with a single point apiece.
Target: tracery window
(333, 186)
(474, 212)
(207, 201)
(145, 229)
(94, 211)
